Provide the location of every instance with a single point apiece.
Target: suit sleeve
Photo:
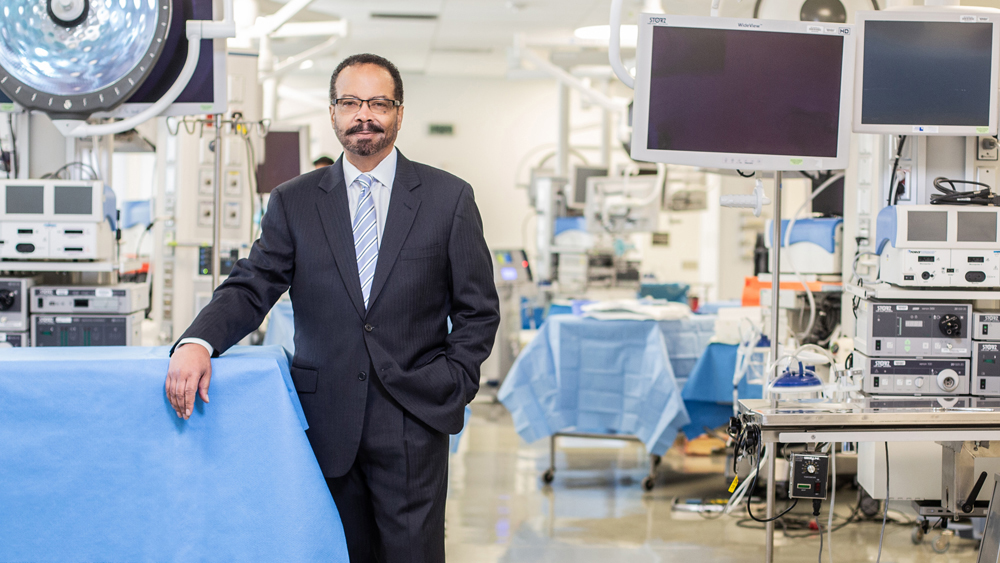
(241, 302)
(475, 307)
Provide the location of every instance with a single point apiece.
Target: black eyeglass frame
(395, 103)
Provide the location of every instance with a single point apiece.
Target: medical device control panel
(14, 340)
(985, 369)
(891, 376)
(904, 402)
(913, 330)
(14, 302)
(123, 298)
(86, 330)
(986, 326)
(808, 475)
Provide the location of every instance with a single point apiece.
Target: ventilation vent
(407, 17)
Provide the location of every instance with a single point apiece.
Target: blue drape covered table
(595, 376)
(708, 393)
(96, 467)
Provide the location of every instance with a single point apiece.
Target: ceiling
(452, 37)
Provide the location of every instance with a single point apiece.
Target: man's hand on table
(190, 371)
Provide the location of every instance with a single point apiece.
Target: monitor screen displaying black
(748, 92)
(201, 88)
(926, 73)
(282, 160)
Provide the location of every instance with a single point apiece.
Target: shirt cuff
(198, 341)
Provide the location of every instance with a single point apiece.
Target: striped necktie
(366, 235)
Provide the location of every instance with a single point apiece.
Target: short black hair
(324, 160)
(368, 59)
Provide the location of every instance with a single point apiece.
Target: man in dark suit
(378, 253)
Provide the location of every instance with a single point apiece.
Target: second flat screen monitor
(754, 99)
(926, 73)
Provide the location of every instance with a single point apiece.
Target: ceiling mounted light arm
(291, 63)
(616, 105)
(196, 30)
(615, 47)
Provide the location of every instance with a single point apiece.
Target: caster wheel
(657, 460)
(917, 535)
(548, 476)
(941, 544)
(648, 483)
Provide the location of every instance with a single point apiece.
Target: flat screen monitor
(923, 72)
(743, 94)
(580, 176)
(286, 153)
(206, 92)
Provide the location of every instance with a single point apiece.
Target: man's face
(365, 132)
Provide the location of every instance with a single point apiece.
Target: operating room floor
(596, 511)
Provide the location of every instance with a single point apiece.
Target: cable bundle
(951, 196)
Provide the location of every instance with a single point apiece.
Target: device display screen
(746, 92)
(927, 73)
(73, 200)
(26, 199)
(977, 227)
(927, 226)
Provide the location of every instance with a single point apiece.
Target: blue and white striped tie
(366, 235)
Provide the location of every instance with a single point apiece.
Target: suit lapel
(336, 220)
(403, 207)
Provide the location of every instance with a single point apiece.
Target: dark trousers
(392, 500)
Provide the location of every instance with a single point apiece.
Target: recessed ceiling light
(602, 33)
(307, 64)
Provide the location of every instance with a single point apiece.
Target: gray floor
(595, 511)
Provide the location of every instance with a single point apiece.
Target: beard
(370, 146)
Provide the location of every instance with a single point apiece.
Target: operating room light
(79, 56)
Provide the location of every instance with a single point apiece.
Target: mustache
(369, 127)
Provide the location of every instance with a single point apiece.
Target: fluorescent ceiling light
(602, 33)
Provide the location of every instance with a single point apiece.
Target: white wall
(502, 128)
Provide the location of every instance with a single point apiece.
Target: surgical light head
(71, 58)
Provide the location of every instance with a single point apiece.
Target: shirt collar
(385, 172)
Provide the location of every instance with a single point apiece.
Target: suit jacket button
(362, 376)
(369, 328)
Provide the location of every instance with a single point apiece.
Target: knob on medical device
(947, 380)
(951, 325)
(755, 201)
(6, 299)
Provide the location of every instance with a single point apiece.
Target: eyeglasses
(380, 106)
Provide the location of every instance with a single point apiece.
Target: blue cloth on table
(96, 466)
(281, 332)
(677, 292)
(708, 393)
(587, 375)
(686, 341)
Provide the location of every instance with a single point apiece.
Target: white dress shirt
(384, 174)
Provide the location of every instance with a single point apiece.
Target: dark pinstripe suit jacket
(433, 263)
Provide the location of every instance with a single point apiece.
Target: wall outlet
(206, 181)
(205, 213)
(989, 149)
